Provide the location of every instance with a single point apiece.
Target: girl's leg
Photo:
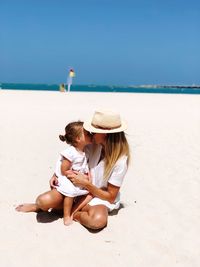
(93, 217)
(67, 206)
(81, 202)
(45, 201)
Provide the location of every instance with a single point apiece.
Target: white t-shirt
(116, 177)
(97, 172)
(77, 158)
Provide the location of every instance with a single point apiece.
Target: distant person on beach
(108, 163)
(72, 158)
(62, 87)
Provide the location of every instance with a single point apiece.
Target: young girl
(72, 158)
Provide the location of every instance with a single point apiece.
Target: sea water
(104, 88)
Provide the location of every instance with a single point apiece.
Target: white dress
(116, 177)
(79, 163)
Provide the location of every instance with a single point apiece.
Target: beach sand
(158, 223)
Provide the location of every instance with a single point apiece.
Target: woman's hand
(53, 182)
(77, 178)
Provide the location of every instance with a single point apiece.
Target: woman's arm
(53, 182)
(109, 193)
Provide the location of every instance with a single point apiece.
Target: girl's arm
(65, 166)
(109, 194)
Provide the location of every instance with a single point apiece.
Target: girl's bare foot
(27, 207)
(67, 220)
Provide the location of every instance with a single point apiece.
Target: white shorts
(97, 201)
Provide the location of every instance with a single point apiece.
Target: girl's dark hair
(73, 130)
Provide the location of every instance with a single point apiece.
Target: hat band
(105, 128)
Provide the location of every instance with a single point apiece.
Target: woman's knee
(48, 200)
(99, 222)
(42, 201)
(99, 218)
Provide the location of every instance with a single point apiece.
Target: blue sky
(116, 42)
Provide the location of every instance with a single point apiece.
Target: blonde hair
(116, 146)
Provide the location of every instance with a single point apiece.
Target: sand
(158, 224)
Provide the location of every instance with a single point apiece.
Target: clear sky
(118, 42)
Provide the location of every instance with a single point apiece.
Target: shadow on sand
(48, 217)
(115, 212)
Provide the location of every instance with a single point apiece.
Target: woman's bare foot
(27, 207)
(67, 220)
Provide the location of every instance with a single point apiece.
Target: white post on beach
(69, 79)
(68, 87)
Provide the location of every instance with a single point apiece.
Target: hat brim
(87, 125)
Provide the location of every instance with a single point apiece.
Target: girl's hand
(78, 178)
(53, 182)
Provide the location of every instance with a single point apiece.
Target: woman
(108, 163)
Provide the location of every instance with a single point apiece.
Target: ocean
(104, 88)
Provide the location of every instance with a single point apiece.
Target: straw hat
(105, 121)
